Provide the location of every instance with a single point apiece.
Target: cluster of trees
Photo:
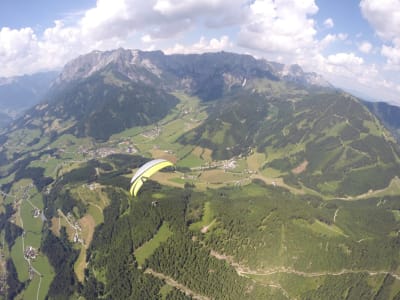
(271, 228)
(14, 286)
(37, 176)
(176, 294)
(126, 226)
(11, 230)
(129, 224)
(61, 256)
(4, 216)
(21, 169)
(191, 264)
(231, 127)
(11, 233)
(338, 144)
(279, 229)
(385, 290)
(337, 287)
(138, 104)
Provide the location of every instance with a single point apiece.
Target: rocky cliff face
(191, 72)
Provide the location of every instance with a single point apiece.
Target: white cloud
(384, 16)
(217, 12)
(109, 25)
(13, 41)
(280, 26)
(392, 54)
(158, 18)
(328, 23)
(365, 47)
(146, 39)
(342, 36)
(345, 59)
(330, 39)
(203, 45)
(351, 72)
(18, 50)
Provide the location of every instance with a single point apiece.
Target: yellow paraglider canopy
(145, 171)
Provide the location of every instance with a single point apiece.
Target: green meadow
(148, 248)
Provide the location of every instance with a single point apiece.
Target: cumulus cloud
(17, 49)
(280, 26)
(216, 12)
(330, 39)
(13, 41)
(159, 18)
(328, 23)
(345, 59)
(392, 54)
(384, 16)
(203, 45)
(112, 24)
(365, 47)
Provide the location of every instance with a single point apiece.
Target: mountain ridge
(179, 65)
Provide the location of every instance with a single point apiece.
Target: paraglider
(145, 171)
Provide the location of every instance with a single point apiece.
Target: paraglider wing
(145, 171)
(136, 186)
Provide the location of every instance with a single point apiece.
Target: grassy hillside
(290, 246)
(99, 106)
(326, 141)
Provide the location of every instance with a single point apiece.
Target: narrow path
(65, 217)
(37, 293)
(205, 228)
(40, 281)
(334, 217)
(31, 204)
(97, 206)
(243, 271)
(175, 284)
(317, 274)
(277, 181)
(76, 228)
(279, 287)
(7, 195)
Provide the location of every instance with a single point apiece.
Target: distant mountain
(388, 114)
(22, 92)
(218, 72)
(85, 93)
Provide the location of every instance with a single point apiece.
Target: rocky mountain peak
(148, 66)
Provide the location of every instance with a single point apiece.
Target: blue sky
(353, 44)
(39, 14)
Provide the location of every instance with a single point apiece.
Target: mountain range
(101, 77)
(290, 116)
(284, 186)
